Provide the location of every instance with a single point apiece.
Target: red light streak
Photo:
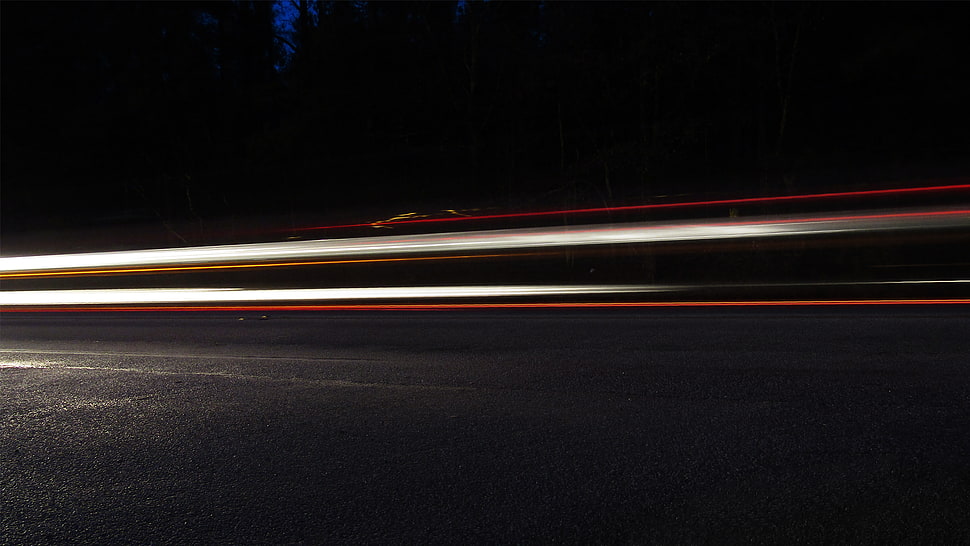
(657, 206)
(481, 235)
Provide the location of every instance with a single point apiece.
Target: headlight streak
(659, 206)
(119, 296)
(482, 241)
(14, 300)
(504, 243)
(176, 269)
(486, 306)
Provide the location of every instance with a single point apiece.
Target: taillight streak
(656, 206)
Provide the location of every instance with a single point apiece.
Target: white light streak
(130, 296)
(136, 296)
(478, 241)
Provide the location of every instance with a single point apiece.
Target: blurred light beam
(134, 296)
(184, 268)
(142, 296)
(506, 239)
(507, 305)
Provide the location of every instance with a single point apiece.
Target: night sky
(139, 112)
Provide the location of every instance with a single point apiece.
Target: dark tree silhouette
(189, 110)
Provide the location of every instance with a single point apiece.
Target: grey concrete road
(753, 426)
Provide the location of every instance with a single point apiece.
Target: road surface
(652, 426)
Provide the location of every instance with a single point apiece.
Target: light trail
(176, 269)
(478, 306)
(657, 206)
(118, 296)
(158, 296)
(484, 241)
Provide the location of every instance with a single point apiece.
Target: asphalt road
(655, 426)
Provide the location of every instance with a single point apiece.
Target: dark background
(125, 112)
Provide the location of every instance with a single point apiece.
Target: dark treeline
(183, 110)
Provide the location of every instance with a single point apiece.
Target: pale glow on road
(19, 365)
(507, 239)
